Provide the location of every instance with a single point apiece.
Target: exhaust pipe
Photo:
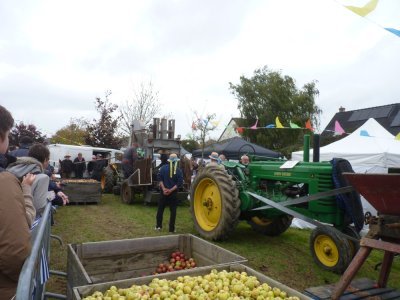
(316, 147)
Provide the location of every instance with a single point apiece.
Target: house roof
(386, 115)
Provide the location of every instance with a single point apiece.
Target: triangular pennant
(338, 129)
(215, 123)
(394, 31)
(239, 130)
(364, 133)
(278, 123)
(194, 126)
(255, 125)
(364, 10)
(397, 137)
(293, 125)
(270, 126)
(308, 125)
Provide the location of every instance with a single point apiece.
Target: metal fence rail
(34, 273)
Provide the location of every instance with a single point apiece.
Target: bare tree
(201, 128)
(143, 105)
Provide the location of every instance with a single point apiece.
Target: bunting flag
(255, 125)
(293, 125)
(364, 133)
(215, 123)
(270, 126)
(364, 10)
(308, 125)
(382, 13)
(278, 123)
(239, 130)
(397, 137)
(193, 126)
(338, 129)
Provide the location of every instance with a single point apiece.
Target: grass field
(285, 258)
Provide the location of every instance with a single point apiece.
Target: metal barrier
(34, 273)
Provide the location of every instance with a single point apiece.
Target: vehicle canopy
(58, 152)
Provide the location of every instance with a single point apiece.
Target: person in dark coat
(80, 166)
(67, 166)
(98, 167)
(90, 165)
(25, 142)
(170, 178)
(128, 160)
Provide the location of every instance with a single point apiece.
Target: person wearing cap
(67, 166)
(170, 178)
(214, 159)
(25, 142)
(80, 166)
(90, 165)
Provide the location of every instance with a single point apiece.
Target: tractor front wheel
(127, 193)
(271, 227)
(330, 250)
(107, 180)
(214, 204)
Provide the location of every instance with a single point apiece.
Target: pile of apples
(177, 261)
(222, 285)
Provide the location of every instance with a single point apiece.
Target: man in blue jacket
(171, 178)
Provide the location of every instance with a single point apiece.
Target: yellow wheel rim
(207, 204)
(326, 250)
(261, 221)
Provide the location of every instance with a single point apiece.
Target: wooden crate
(361, 288)
(98, 262)
(84, 291)
(83, 191)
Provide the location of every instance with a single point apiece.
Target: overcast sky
(57, 56)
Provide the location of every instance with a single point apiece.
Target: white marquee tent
(369, 149)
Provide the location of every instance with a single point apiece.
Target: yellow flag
(278, 123)
(364, 10)
(397, 137)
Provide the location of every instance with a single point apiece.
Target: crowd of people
(27, 185)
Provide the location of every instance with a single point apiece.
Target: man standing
(80, 166)
(170, 178)
(67, 166)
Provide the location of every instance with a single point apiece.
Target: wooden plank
(361, 288)
(99, 249)
(83, 192)
(76, 274)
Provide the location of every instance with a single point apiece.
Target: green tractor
(268, 194)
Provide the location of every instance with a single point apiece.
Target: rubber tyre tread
(351, 231)
(127, 193)
(342, 244)
(117, 190)
(230, 210)
(109, 180)
(277, 227)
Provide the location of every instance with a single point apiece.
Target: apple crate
(90, 263)
(82, 190)
(84, 291)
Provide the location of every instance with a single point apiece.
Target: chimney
(342, 109)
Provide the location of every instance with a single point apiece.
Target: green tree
(269, 94)
(74, 133)
(190, 144)
(103, 132)
(22, 129)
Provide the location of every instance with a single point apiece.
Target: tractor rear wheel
(271, 227)
(127, 193)
(214, 204)
(330, 250)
